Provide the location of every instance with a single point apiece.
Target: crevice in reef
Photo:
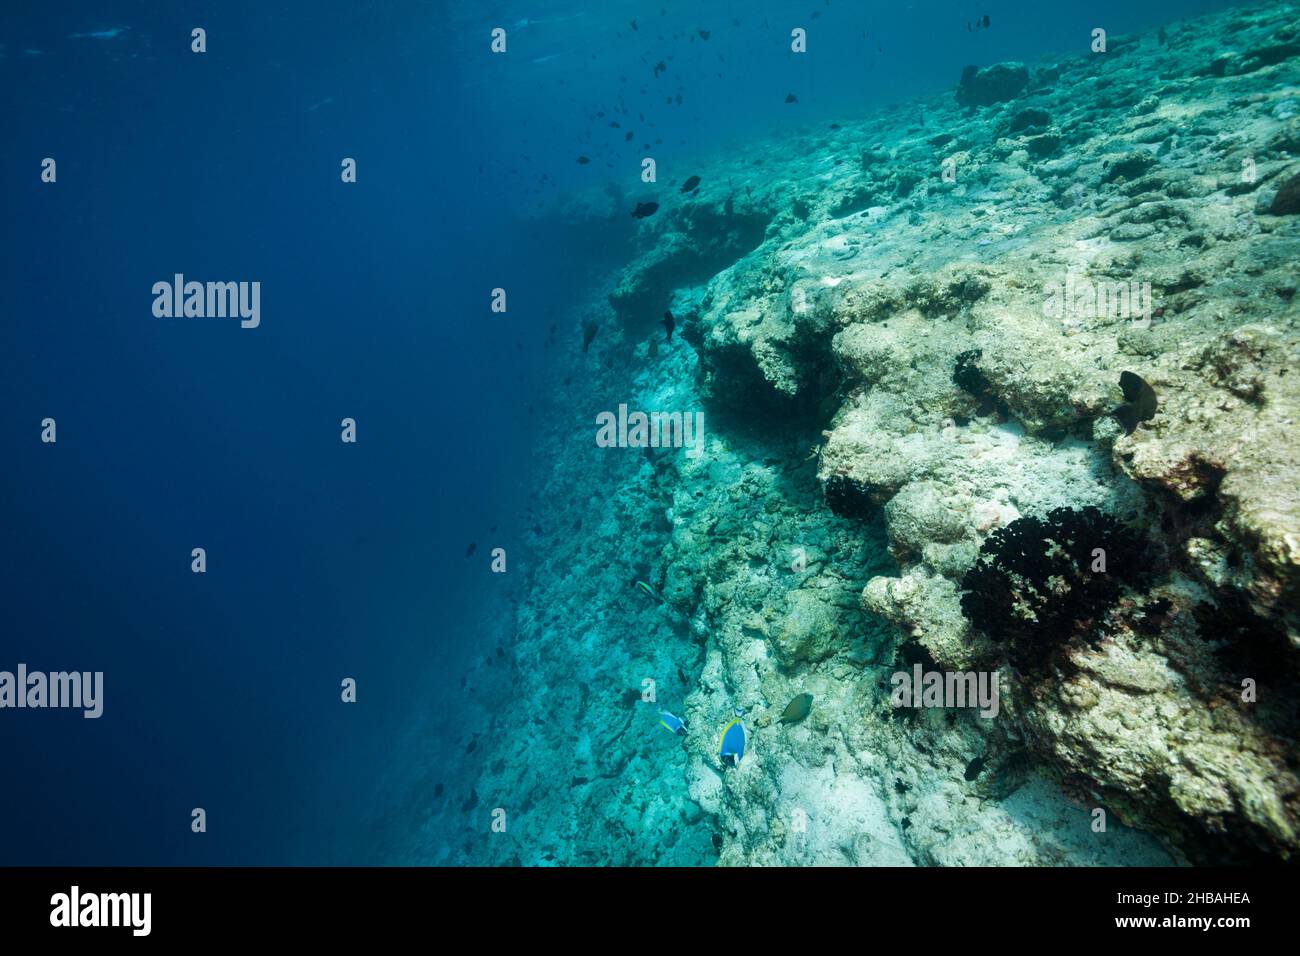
(704, 241)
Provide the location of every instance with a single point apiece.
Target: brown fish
(797, 709)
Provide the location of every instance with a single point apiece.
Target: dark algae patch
(1041, 581)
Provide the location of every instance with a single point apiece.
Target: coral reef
(909, 334)
(978, 329)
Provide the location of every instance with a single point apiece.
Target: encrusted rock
(993, 84)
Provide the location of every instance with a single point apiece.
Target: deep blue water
(327, 560)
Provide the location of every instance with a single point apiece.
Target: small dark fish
(835, 125)
(986, 21)
(1139, 401)
(438, 790)
(791, 98)
(660, 67)
(628, 137)
(704, 34)
(797, 709)
(669, 323)
(691, 184)
(974, 767)
(649, 592)
(644, 209)
(473, 546)
(729, 206)
(633, 25)
(583, 160)
(589, 330)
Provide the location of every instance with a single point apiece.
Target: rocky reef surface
(908, 334)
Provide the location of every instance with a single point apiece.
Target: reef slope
(907, 380)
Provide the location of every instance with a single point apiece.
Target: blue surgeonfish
(675, 724)
(734, 739)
